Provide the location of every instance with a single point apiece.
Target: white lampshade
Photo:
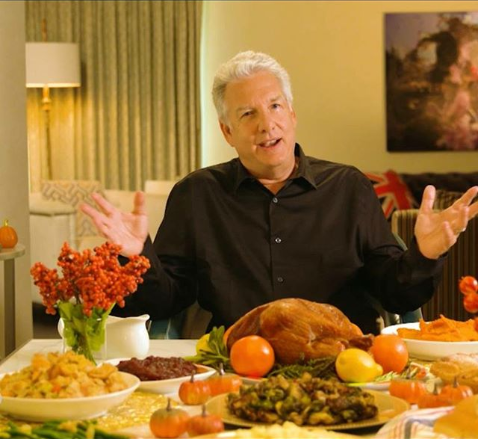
(53, 65)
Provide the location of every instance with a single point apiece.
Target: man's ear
(226, 131)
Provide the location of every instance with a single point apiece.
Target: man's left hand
(437, 231)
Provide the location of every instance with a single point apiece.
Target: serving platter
(388, 407)
(432, 350)
(87, 407)
(170, 385)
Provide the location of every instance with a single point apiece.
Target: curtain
(136, 115)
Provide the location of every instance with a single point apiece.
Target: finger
(91, 212)
(428, 199)
(104, 205)
(468, 196)
(461, 220)
(139, 203)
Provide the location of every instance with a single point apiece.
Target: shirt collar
(304, 170)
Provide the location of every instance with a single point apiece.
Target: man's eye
(246, 113)
(276, 105)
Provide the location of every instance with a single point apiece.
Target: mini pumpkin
(194, 392)
(168, 422)
(204, 424)
(8, 236)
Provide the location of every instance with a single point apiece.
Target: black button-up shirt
(230, 243)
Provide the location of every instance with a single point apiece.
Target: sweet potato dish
(442, 329)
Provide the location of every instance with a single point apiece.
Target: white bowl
(171, 385)
(39, 409)
(432, 350)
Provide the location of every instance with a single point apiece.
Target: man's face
(260, 124)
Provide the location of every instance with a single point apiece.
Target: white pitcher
(125, 337)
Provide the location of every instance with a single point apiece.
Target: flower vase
(83, 334)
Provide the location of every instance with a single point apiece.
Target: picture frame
(431, 70)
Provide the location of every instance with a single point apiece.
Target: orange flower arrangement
(93, 282)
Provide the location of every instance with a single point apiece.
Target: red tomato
(391, 352)
(468, 285)
(252, 356)
(470, 303)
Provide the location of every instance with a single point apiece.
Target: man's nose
(266, 122)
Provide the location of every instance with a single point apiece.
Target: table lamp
(51, 65)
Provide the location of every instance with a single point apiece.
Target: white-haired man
(275, 223)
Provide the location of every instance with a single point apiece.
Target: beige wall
(13, 153)
(334, 52)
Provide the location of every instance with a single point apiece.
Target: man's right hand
(129, 230)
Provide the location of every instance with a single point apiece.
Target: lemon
(203, 344)
(357, 366)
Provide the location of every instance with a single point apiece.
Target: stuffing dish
(303, 401)
(67, 375)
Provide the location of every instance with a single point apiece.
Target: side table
(8, 256)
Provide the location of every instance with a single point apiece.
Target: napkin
(414, 424)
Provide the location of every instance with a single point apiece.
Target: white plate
(171, 385)
(39, 410)
(432, 350)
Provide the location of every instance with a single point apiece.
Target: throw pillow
(74, 192)
(392, 192)
(444, 199)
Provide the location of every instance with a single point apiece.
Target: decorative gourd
(8, 236)
(204, 424)
(408, 389)
(452, 394)
(168, 422)
(194, 392)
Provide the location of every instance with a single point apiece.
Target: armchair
(462, 260)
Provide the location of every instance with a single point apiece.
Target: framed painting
(431, 69)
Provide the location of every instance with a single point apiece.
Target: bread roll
(462, 422)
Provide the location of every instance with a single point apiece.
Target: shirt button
(278, 240)
(275, 200)
(280, 279)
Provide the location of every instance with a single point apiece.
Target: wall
(334, 52)
(13, 153)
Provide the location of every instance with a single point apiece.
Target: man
(274, 223)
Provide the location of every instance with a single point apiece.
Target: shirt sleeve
(401, 280)
(169, 286)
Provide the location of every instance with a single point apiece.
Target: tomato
(204, 424)
(194, 392)
(356, 366)
(408, 389)
(468, 285)
(224, 382)
(252, 356)
(390, 351)
(168, 422)
(470, 303)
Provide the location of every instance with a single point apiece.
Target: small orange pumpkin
(8, 236)
(452, 394)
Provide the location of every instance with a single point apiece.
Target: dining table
(22, 356)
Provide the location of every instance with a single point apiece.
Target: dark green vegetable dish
(304, 401)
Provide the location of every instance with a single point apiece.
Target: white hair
(243, 65)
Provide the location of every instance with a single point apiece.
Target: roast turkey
(300, 330)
